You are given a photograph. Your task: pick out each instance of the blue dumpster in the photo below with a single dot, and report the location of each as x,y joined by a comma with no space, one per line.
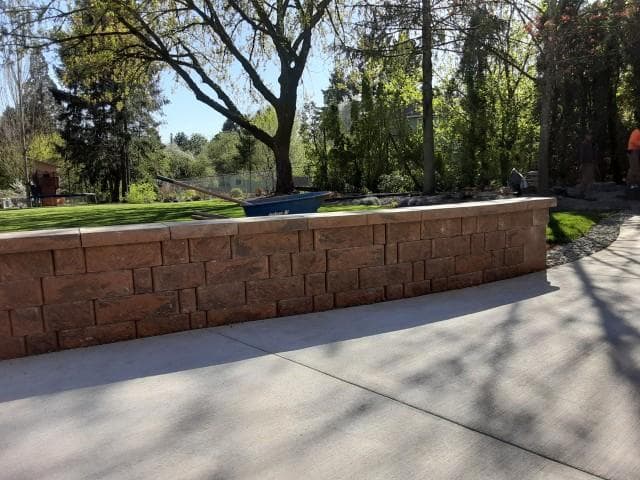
285,204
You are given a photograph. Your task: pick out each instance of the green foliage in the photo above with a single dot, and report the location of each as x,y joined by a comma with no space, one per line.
395,182
183,164
142,193
106,103
236,193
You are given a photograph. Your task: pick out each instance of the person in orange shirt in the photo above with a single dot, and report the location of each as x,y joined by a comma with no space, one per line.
633,149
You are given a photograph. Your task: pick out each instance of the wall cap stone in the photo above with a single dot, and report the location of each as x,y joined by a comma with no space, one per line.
26,241
37,240
124,234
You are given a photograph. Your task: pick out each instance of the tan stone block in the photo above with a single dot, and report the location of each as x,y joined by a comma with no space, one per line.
394,292
315,284
487,223
120,257
136,307
309,262
439,267
242,313
393,215
162,325
87,286
336,220
41,343
391,254
237,269
469,225
494,240
513,256
451,247
355,257
497,258
541,217
12,347
379,234
175,251
535,250
403,232
445,227
418,271
221,295
305,240
198,320
273,289
359,297
343,237
341,280
295,306
386,275
439,284
513,220
13,242
280,224
177,277
473,263
464,280
280,265
69,261
414,289
210,248
64,316
265,244
500,273
20,266
323,302
518,237
477,243
124,234
202,229
96,335
188,302
5,324
21,293
26,321
413,251
142,280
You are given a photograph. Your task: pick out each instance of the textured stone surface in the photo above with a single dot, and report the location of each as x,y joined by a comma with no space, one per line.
87,286
135,281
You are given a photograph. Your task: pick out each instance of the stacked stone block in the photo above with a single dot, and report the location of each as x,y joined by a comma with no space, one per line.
78,287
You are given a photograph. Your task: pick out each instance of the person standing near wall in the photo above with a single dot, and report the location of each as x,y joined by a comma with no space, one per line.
633,150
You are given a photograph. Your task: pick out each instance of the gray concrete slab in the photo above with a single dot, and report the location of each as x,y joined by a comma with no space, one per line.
536,377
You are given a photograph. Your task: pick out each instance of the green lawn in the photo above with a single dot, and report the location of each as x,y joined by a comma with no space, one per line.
123,213
567,226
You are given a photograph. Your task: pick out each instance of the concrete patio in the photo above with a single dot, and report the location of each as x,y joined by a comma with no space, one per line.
536,377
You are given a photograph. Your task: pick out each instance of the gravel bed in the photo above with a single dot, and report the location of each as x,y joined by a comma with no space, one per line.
601,235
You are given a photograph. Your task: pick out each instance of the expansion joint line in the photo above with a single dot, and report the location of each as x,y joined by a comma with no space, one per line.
415,407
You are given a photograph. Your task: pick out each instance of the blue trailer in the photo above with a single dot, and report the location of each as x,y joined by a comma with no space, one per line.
259,207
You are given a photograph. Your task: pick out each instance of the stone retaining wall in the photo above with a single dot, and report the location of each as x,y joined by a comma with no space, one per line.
72,288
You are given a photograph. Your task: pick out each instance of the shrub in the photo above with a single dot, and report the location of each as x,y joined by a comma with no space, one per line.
142,193
395,183
236,193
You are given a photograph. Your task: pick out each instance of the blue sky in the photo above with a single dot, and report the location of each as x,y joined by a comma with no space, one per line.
184,113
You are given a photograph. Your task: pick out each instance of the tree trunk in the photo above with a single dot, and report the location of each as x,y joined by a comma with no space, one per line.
546,107
286,114
284,174
428,148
